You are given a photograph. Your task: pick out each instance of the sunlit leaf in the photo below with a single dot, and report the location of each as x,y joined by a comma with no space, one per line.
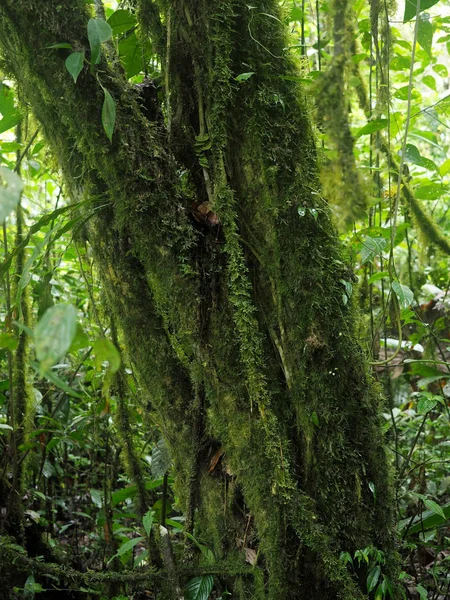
425,33
411,8
372,247
403,293
54,333
10,192
372,127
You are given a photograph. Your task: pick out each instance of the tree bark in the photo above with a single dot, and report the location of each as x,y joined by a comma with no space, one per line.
232,312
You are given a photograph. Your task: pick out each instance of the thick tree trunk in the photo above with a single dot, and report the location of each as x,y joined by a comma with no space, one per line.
232,312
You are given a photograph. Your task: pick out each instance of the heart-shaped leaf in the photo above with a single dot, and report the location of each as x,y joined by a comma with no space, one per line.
99,31
74,64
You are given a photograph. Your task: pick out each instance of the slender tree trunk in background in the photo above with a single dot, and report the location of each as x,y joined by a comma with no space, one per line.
224,273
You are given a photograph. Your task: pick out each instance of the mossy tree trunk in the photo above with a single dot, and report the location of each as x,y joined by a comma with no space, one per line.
232,312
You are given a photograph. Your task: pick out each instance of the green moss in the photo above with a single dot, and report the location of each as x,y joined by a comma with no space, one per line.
239,350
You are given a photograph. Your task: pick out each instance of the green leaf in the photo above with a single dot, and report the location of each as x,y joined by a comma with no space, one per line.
373,577
444,168
54,333
441,70
403,293
378,276
10,192
413,156
425,33
105,351
315,418
422,592
61,45
99,31
160,459
371,248
434,507
429,81
244,76
403,93
74,64
121,21
96,497
425,404
8,341
427,520
127,546
429,192
372,126
11,116
199,588
131,55
147,521
411,8
108,114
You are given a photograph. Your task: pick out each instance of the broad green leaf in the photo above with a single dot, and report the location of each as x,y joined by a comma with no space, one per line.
400,63
296,14
403,93
372,247
244,76
127,546
411,8
8,341
147,521
96,497
422,592
315,418
434,507
121,21
373,577
199,588
74,64
403,293
105,351
54,333
413,156
429,519
131,490
440,70
108,114
372,127
160,459
429,81
378,276
425,404
425,33
433,191
444,168
131,55
10,115
99,31
5,426
10,192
